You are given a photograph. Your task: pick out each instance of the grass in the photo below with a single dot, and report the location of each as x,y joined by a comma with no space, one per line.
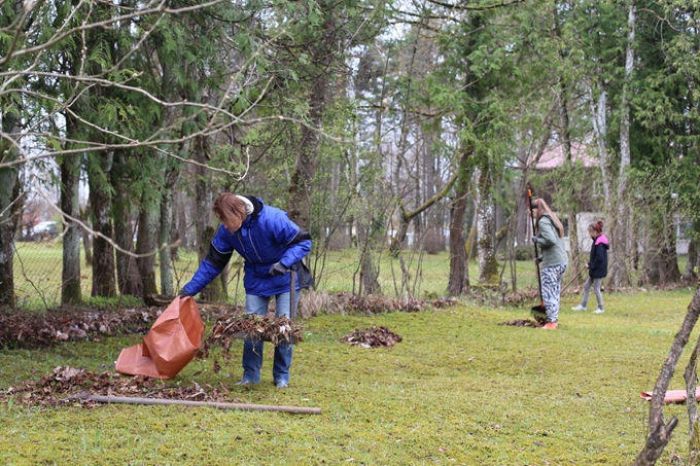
459,389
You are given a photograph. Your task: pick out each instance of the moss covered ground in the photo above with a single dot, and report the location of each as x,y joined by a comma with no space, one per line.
459,389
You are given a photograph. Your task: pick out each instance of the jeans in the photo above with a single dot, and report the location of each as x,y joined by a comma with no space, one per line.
595,282
253,349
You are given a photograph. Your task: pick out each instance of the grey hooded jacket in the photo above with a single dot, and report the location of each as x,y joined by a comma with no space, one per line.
552,250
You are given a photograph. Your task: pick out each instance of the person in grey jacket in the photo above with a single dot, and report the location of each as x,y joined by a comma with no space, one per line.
553,259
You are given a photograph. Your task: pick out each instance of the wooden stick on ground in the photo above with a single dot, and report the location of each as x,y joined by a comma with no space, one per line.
212,404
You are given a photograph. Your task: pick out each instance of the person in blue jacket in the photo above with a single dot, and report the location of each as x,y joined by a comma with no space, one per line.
271,245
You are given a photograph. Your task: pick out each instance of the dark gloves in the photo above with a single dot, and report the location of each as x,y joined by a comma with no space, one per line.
277,269
185,291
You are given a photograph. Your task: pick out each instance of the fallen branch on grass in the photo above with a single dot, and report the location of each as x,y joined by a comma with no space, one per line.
66,385
211,404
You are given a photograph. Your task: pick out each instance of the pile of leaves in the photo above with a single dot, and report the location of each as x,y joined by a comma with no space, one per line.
521,297
372,337
523,323
65,385
21,329
490,296
441,303
28,330
268,328
315,303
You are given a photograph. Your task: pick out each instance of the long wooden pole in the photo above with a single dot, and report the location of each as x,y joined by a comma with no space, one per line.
212,404
292,295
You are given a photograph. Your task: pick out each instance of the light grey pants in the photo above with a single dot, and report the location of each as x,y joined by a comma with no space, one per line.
596,282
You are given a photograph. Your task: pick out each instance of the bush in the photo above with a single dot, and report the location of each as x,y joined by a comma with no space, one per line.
524,253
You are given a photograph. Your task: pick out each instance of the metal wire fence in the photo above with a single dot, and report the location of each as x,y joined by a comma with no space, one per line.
38,268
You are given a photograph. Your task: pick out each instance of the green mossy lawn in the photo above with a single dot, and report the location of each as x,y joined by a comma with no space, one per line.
459,389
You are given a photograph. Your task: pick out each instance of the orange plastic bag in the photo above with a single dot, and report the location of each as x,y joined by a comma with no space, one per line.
672,396
169,346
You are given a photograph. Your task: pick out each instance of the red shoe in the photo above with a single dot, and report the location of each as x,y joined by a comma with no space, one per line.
550,326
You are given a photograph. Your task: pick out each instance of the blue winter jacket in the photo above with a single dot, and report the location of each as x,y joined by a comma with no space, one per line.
266,236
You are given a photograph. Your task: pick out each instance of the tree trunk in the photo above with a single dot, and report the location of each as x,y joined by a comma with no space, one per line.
70,179
322,53
10,19
166,221
299,207
147,241
369,269
371,229
619,271
689,273
458,281
183,227
661,260
128,276
86,236
434,234
9,191
103,279
215,291
486,228
565,133
406,216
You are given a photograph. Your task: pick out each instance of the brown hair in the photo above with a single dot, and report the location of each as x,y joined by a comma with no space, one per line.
231,210
596,227
543,209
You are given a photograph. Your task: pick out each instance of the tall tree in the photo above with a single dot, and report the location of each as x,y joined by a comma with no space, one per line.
322,48
70,205
619,273
15,18
149,222
9,191
458,281
103,262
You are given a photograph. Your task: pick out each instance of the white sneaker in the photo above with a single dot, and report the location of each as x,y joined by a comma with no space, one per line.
578,308
598,311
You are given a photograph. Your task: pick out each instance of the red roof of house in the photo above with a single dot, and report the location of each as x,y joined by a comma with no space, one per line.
553,156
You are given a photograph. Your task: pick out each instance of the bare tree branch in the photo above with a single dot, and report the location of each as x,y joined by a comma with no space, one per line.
147,10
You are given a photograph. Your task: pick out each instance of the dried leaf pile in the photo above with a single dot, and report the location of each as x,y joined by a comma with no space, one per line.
523,323
441,303
520,297
499,297
65,384
21,329
316,303
273,329
373,337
